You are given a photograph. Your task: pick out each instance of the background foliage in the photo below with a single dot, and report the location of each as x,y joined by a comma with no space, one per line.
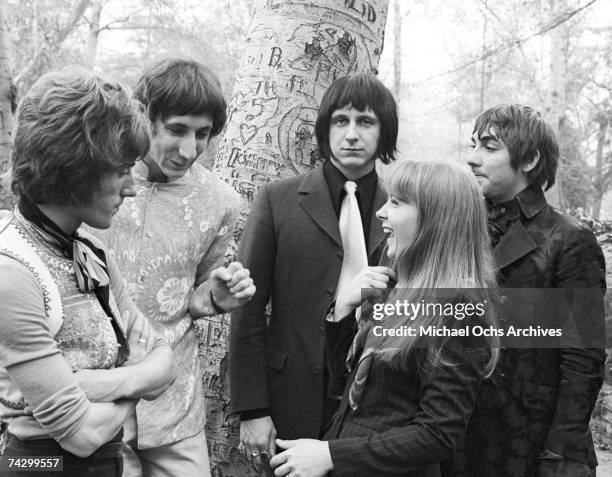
456,59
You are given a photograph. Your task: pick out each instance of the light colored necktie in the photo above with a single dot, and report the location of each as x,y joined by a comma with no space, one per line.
351,231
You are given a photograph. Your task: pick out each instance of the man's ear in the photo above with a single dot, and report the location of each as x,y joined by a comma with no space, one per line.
529,166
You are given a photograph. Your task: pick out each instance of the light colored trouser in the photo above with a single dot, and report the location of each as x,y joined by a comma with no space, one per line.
186,458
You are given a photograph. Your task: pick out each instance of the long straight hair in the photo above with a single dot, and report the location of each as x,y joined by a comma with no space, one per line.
451,248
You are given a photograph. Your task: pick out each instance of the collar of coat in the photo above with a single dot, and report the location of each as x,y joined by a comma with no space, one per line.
531,200
517,241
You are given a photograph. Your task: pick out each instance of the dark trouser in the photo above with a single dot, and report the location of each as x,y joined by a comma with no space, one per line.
107,461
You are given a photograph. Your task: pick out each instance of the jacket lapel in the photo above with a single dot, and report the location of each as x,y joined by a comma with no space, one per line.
376,235
515,244
317,203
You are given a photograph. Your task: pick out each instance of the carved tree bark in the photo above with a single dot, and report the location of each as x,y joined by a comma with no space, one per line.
293,51
7,102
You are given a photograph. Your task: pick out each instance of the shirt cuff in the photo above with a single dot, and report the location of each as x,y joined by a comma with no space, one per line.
254,414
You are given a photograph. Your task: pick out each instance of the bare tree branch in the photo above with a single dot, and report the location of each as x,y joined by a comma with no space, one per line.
52,44
514,43
109,25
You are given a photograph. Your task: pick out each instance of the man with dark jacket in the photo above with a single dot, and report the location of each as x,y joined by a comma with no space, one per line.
295,247
532,418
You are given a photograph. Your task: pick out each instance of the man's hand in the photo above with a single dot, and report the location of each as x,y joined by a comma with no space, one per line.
258,435
302,458
146,379
141,338
99,385
231,288
372,281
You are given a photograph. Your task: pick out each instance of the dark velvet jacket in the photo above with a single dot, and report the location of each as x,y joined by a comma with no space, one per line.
541,399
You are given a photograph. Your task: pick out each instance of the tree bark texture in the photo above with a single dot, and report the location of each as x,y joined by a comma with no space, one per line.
89,57
294,50
556,101
7,94
397,50
7,103
600,183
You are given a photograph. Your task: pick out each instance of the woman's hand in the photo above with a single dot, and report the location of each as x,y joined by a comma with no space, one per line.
368,284
302,458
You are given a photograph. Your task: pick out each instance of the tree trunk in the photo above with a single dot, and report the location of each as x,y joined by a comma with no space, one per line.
51,45
556,101
89,58
7,102
292,53
603,120
397,50
485,60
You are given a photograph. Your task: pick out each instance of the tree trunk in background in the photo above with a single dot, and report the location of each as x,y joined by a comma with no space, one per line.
485,60
292,53
7,101
554,111
89,57
51,44
397,50
600,182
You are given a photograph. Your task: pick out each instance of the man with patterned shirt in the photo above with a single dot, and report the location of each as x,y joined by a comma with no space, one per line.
532,416
170,242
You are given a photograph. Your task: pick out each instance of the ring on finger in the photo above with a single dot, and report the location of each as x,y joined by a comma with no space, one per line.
262,454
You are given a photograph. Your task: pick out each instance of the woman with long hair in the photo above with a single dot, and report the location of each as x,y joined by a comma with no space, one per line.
409,394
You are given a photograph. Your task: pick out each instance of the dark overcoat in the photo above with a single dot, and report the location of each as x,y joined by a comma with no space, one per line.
541,399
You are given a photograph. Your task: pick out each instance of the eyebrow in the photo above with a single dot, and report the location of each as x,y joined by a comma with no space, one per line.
486,138
181,125
359,112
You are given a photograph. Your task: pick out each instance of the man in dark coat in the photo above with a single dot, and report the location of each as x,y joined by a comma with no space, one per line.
532,418
293,246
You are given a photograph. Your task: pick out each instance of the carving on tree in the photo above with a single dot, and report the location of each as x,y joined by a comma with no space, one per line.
293,51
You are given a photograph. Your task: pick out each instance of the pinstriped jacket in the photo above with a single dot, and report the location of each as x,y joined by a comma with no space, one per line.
408,420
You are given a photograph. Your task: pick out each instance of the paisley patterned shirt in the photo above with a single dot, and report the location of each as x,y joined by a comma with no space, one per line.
84,336
166,241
